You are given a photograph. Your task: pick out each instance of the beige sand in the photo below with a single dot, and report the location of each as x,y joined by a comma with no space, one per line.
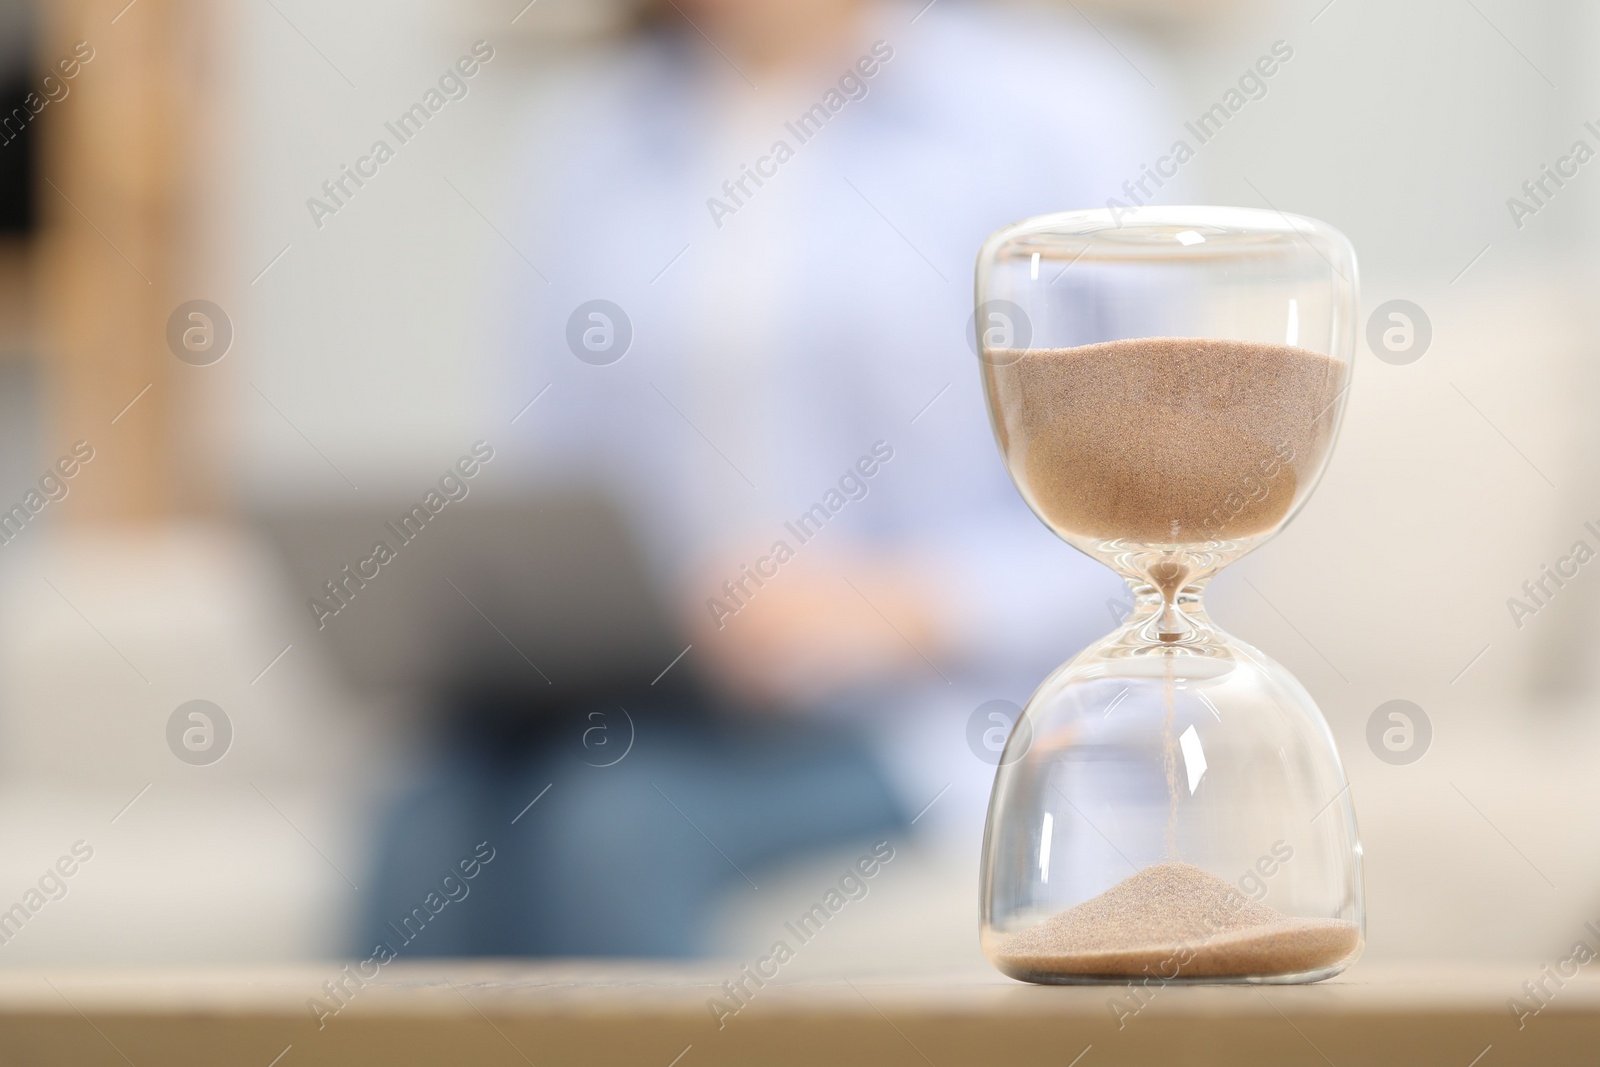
1174,920
1164,440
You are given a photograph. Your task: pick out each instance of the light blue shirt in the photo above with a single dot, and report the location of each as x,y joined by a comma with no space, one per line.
773,346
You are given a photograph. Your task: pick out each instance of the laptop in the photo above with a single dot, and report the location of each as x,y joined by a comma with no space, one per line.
548,594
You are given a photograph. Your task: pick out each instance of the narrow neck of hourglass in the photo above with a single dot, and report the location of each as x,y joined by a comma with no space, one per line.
1172,616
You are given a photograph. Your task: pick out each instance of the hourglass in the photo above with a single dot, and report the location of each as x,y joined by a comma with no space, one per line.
1165,386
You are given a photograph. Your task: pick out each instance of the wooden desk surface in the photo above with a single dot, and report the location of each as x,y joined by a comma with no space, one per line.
588,1013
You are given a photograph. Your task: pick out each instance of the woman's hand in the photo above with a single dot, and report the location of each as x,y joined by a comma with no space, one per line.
819,627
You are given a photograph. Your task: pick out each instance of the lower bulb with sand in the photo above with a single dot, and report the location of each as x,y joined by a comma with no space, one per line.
1170,805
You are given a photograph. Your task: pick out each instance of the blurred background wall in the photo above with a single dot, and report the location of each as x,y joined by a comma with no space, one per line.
365,357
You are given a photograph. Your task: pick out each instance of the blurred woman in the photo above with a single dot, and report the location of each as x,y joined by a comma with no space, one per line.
778,202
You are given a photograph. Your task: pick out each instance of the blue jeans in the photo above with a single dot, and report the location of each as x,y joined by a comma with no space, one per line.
620,860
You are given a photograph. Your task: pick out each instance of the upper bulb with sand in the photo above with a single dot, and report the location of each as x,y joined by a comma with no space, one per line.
1165,387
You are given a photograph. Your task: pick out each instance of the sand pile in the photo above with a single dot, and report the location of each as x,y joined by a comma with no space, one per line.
1177,920
1164,440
